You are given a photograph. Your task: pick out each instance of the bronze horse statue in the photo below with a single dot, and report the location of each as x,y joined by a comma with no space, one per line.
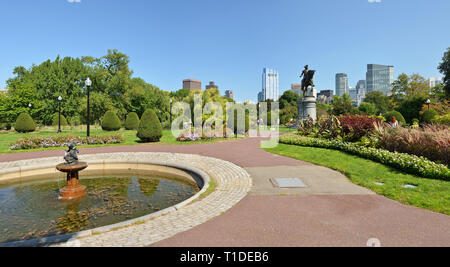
307,81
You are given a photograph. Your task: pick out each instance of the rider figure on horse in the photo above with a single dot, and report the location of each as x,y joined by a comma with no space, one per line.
307,79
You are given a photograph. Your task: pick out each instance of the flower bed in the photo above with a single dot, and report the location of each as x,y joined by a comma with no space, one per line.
430,141
63,141
192,137
405,162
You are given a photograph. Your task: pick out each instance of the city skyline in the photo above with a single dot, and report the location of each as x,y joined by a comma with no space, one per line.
239,48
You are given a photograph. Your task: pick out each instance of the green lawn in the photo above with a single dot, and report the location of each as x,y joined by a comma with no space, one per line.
430,194
8,138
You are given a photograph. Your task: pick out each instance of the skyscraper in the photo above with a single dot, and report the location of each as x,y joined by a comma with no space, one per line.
341,84
229,94
360,91
270,87
379,78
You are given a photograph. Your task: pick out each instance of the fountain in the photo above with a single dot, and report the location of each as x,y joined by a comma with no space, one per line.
73,189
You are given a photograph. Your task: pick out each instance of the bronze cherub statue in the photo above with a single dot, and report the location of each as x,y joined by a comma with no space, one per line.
71,155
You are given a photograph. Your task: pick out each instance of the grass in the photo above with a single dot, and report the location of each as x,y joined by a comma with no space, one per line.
431,194
10,137
211,188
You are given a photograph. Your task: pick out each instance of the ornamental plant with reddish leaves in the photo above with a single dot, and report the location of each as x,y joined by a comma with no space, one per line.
357,126
430,141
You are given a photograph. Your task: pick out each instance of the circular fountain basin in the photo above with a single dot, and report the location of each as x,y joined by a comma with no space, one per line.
117,193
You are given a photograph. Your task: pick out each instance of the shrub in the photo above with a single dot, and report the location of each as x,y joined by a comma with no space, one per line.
25,124
405,162
150,129
75,120
431,141
132,121
429,115
111,122
444,120
397,115
55,121
357,126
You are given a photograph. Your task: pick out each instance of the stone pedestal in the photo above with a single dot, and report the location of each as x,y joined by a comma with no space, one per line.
307,106
73,189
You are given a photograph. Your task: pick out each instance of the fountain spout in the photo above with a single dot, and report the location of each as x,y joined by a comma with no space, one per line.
73,189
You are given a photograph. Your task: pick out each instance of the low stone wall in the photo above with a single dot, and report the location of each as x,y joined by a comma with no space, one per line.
232,184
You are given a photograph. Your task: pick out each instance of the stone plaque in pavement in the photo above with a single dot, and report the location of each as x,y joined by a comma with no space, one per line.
288,183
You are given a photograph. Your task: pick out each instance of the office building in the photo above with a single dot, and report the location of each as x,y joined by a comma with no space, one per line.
325,96
360,91
296,88
260,97
192,84
341,84
379,78
270,85
433,82
353,93
212,85
229,94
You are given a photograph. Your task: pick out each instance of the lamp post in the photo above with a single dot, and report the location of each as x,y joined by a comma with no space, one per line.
170,113
88,85
428,103
59,114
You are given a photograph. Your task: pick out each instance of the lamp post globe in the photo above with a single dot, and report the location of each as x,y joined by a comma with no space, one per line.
428,103
59,113
88,85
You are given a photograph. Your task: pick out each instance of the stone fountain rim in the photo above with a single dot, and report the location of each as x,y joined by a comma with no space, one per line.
61,238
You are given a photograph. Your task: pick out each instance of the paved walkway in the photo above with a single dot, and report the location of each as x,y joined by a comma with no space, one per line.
330,212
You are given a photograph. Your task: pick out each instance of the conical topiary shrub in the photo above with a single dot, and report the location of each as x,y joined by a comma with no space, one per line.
55,121
132,121
150,129
110,121
25,124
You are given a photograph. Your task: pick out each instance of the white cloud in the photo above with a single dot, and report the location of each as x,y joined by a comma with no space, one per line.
79,1
374,1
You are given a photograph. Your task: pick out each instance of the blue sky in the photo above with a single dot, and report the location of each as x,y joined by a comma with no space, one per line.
230,41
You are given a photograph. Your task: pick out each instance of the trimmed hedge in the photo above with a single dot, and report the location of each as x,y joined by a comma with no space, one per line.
132,121
55,121
150,128
405,162
25,124
395,114
111,122
429,115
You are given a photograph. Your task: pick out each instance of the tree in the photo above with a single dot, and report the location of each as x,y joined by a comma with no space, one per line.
342,105
288,99
287,114
411,107
368,108
381,101
444,68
